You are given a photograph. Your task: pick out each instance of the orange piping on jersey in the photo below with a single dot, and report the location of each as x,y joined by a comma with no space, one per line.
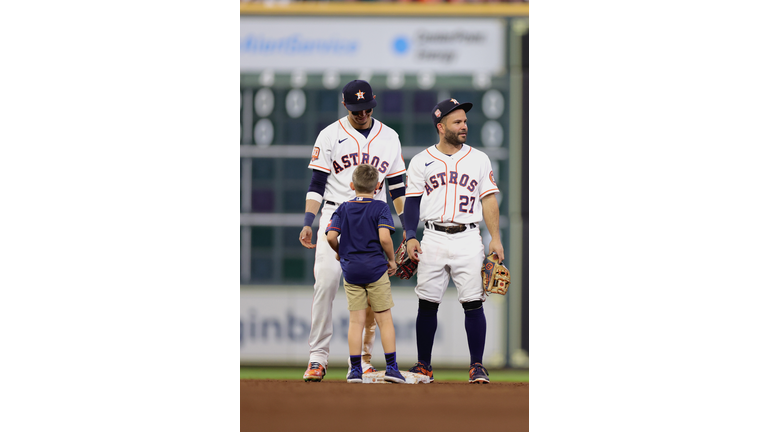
489,191
350,135
398,173
320,168
415,193
456,186
445,201
394,174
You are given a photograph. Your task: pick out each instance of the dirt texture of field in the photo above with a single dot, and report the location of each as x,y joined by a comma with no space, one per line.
282,405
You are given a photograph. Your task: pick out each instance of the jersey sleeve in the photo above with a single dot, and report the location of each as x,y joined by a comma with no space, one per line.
337,218
385,219
487,180
415,177
321,152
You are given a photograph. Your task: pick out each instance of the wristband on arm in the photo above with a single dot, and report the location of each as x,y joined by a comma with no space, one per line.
309,217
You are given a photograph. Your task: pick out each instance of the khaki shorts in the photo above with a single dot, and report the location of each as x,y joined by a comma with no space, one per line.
379,293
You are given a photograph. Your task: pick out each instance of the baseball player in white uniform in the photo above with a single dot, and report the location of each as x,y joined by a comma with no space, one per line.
352,140
451,188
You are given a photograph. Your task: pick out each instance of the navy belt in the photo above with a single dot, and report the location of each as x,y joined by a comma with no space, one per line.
449,229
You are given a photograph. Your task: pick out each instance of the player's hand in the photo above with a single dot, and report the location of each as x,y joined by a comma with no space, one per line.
305,237
414,249
338,258
496,247
392,267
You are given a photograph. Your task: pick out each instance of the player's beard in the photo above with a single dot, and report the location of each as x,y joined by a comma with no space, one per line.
454,138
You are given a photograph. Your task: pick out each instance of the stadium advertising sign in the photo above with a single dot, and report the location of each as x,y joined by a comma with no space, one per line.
349,45
274,328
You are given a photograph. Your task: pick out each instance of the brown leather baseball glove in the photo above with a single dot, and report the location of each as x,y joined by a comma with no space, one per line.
495,275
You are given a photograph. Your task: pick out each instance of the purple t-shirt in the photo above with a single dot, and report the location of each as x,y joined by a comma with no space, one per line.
363,261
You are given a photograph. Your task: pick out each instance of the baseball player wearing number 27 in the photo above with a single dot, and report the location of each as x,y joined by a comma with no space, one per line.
343,145
451,188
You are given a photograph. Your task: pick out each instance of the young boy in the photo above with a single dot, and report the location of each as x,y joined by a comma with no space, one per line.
367,259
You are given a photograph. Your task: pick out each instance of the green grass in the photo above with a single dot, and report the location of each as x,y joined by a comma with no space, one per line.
339,373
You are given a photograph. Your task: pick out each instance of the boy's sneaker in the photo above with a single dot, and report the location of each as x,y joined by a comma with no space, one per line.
315,372
367,367
355,375
394,375
422,368
478,374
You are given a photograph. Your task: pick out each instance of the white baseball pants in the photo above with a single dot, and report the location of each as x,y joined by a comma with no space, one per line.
458,256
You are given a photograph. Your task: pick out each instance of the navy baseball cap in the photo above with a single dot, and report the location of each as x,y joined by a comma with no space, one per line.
443,108
358,96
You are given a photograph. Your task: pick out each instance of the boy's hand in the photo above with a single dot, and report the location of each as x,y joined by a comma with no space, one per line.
392,267
338,258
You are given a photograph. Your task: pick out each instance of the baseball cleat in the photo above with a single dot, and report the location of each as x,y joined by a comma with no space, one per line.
368,368
355,375
394,375
315,372
365,360
423,369
478,374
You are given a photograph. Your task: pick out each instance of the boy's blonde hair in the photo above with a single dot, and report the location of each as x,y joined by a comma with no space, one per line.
365,178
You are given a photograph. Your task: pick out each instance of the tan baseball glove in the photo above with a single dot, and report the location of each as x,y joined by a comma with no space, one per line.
405,266
495,275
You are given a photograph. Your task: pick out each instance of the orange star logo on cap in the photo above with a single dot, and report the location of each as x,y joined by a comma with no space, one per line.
455,101
360,94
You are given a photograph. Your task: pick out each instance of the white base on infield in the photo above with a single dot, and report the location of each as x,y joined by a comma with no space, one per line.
410,378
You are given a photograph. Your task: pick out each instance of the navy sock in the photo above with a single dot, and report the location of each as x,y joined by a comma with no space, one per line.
474,323
426,327
391,359
355,360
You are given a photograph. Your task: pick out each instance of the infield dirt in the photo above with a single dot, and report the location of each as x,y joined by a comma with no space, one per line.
282,405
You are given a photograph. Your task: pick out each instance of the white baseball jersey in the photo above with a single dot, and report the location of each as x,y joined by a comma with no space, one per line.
451,187
340,148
